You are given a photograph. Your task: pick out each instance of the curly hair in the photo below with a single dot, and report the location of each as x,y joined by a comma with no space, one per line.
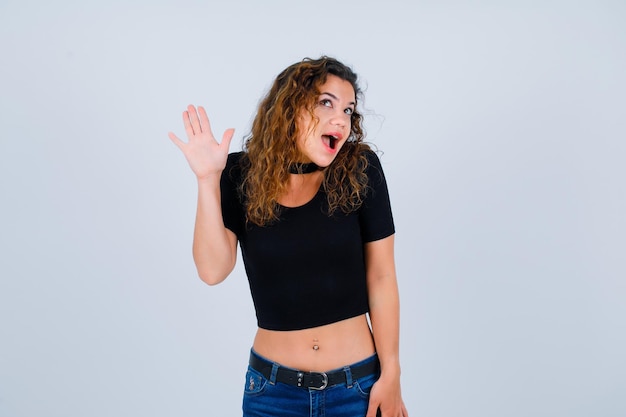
271,145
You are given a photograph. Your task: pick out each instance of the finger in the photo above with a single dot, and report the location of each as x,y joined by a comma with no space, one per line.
205,125
187,123
193,118
176,140
227,137
372,410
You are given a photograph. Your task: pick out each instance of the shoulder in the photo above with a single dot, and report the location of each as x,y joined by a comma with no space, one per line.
375,215
233,171
235,162
235,158
372,157
374,168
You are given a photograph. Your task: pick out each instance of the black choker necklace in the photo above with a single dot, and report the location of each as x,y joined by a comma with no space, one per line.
302,168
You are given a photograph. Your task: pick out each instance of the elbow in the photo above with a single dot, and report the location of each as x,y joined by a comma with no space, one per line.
212,277
214,269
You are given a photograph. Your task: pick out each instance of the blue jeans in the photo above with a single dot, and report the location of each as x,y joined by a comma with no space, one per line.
267,398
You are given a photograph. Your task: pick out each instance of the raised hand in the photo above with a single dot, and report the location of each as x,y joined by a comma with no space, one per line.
205,155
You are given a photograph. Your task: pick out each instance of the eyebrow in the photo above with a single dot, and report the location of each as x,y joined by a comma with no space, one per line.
336,98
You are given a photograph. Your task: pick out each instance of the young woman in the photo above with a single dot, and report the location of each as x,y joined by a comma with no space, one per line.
307,201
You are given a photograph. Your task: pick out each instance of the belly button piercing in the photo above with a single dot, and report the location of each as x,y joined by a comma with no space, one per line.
316,347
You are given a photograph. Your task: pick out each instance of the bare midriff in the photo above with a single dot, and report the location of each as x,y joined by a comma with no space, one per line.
318,349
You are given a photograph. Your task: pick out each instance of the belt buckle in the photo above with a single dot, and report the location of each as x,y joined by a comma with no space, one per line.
324,381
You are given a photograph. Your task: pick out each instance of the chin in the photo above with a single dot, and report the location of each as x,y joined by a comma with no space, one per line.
325,161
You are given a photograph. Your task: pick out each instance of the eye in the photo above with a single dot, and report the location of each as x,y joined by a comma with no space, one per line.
349,111
326,102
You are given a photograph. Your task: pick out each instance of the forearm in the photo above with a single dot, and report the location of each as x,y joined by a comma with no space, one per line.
214,246
385,319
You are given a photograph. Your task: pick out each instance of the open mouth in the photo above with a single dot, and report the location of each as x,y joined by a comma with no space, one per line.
332,140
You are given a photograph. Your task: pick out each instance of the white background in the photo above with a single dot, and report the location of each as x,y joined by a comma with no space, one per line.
502,126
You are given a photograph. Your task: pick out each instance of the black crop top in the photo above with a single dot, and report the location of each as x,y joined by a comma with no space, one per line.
307,269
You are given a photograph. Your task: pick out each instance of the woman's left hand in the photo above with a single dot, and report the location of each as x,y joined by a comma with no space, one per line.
385,395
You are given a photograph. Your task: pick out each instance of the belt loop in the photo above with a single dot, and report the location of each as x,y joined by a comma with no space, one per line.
275,367
348,376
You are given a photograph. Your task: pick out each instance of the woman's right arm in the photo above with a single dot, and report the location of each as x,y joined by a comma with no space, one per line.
214,246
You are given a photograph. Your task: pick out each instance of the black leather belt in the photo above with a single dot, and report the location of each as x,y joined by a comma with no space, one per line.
313,380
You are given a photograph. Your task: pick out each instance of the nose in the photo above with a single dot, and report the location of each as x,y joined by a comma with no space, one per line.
340,119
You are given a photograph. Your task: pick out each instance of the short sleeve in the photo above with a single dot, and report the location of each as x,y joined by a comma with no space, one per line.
233,212
375,217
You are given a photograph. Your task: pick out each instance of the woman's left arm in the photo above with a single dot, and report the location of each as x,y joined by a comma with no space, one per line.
384,313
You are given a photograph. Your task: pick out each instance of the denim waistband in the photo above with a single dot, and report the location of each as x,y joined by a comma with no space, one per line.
275,372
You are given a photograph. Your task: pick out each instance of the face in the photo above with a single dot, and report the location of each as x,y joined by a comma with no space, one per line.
320,143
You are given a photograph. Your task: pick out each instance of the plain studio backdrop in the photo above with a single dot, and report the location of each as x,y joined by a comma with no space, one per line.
502,130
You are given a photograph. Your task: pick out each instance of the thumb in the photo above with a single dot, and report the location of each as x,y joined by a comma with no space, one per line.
227,137
176,140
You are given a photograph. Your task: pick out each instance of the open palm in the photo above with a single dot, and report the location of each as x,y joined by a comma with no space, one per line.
205,154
